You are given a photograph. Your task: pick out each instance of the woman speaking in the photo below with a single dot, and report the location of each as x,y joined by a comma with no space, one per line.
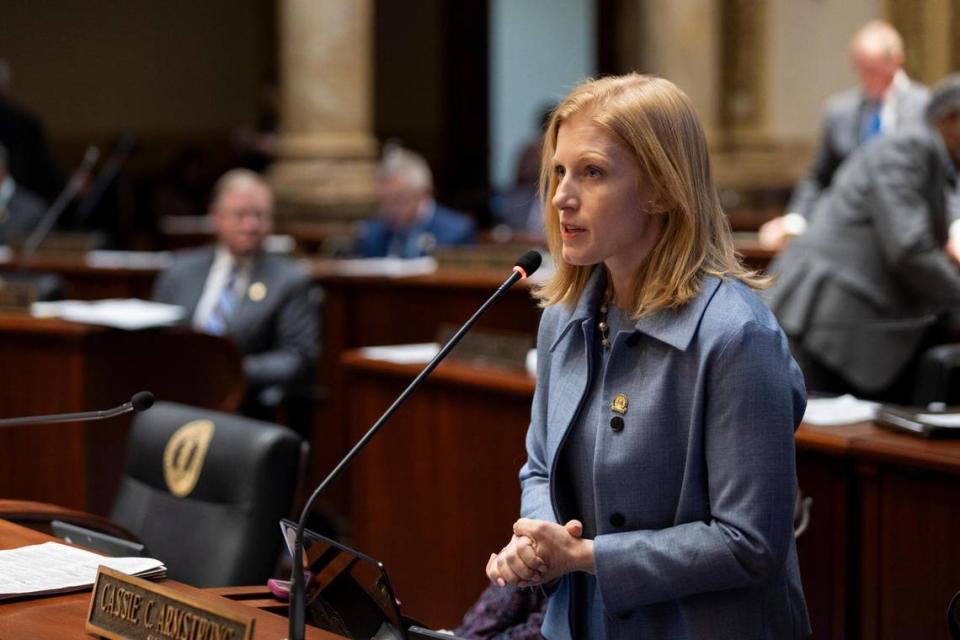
658,491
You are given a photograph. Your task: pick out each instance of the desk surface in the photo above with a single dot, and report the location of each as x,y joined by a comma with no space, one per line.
62,617
864,440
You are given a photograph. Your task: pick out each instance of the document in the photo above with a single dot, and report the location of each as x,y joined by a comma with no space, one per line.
844,409
52,567
389,267
127,314
403,353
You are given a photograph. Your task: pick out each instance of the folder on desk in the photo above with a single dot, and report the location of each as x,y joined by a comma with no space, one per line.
921,422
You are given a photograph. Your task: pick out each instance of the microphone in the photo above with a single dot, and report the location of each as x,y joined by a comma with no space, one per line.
524,267
141,401
74,184
125,145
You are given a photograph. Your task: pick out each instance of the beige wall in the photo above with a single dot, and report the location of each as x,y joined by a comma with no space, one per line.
96,67
807,45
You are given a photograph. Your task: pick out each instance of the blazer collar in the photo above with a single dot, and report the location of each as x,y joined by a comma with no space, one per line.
674,327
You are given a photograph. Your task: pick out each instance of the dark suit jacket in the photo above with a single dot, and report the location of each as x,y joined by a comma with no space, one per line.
29,156
278,335
444,227
841,134
859,289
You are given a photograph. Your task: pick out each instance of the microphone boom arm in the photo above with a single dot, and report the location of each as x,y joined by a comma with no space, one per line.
297,611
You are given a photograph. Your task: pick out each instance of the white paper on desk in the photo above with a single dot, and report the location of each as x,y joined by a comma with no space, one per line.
123,314
949,420
129,259
843,409
403,353
389,267
52,567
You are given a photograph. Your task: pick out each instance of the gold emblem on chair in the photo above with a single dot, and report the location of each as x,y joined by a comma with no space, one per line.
619,404
184,455
257,291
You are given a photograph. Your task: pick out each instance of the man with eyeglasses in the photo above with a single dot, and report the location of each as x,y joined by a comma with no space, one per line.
263,301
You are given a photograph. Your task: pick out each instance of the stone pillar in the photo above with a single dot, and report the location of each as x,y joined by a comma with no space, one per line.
327,155
929,36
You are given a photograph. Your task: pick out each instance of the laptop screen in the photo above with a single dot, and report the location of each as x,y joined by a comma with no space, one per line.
350,593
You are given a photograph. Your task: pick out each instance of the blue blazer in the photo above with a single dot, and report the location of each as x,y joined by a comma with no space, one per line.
444,227
694,496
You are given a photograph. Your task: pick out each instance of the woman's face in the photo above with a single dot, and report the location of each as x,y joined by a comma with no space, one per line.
605,205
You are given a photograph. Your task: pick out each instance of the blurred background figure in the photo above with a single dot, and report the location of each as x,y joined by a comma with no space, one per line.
860,291
263,301
256,144
23,135
519,207
409,222
885,100
20,209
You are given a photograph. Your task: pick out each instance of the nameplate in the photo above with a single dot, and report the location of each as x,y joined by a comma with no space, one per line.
123,607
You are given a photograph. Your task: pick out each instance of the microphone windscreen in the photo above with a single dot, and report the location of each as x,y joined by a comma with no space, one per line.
142,400
529,263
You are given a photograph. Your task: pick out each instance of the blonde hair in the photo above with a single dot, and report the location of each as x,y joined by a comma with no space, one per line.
657,123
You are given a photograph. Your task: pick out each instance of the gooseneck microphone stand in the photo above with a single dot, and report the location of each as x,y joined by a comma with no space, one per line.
525,266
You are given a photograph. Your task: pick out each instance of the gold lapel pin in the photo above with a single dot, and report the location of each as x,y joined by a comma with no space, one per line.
620,404
257,291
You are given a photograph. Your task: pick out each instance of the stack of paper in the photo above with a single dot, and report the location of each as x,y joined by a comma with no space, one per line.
52,567
389,267
123,314
844,409
403,353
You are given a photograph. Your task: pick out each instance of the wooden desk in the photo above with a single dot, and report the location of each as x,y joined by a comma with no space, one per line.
62,617
86,282
378,310
54,366
437,492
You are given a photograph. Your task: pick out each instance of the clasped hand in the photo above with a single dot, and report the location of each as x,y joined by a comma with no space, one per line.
540,552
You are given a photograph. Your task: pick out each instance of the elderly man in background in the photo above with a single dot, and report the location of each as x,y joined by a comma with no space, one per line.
885,101
861,292
263,301
410,223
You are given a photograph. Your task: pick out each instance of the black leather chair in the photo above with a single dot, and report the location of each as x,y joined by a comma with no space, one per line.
205,491
938,376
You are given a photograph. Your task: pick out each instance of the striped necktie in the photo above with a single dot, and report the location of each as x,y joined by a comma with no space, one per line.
216,322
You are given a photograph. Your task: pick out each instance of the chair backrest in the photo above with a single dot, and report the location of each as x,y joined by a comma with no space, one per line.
938,376
205,491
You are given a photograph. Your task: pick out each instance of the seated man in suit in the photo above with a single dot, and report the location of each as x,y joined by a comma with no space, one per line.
885,101
410,223
20,209
264,302
860,291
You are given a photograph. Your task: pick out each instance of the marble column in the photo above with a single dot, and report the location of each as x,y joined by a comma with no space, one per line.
327,155
929,36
